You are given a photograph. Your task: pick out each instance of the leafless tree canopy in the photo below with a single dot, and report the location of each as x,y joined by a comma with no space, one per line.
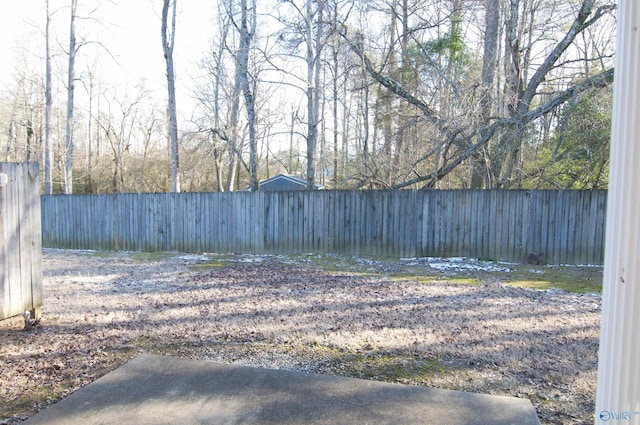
347,94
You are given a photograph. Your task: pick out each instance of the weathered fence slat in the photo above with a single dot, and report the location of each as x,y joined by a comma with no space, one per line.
552,226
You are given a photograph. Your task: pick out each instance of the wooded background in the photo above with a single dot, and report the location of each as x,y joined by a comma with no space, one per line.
539,226
349,94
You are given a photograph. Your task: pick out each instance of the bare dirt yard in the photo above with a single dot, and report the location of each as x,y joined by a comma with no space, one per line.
458,324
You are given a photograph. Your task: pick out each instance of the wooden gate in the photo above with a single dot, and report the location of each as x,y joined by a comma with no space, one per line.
20,241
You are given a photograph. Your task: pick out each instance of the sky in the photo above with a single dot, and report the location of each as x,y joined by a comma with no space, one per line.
128,30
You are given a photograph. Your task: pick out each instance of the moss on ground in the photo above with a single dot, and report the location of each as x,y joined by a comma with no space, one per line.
462,280
577,279
211,264
392,367
42,396
144,256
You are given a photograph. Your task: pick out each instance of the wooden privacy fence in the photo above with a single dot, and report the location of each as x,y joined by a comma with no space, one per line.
20,240
556,227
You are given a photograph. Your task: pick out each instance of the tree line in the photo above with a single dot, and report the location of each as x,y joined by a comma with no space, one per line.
347,94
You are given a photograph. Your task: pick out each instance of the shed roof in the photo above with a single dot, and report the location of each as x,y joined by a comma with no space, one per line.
284,182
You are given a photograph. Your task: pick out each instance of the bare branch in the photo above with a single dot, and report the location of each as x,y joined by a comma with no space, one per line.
579,24
485,133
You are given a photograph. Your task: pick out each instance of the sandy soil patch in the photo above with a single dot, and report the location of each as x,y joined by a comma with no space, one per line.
104,309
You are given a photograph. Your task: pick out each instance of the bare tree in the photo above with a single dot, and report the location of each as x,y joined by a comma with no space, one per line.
218,74
214,95
232,103
246,36
22,121
220,95
119,123
461,138
48,151
307,31
489,59
444,93
148,125
71,79
91,73
314,42
235,141
168,42
338,66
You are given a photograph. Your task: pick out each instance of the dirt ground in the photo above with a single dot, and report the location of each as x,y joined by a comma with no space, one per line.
414,321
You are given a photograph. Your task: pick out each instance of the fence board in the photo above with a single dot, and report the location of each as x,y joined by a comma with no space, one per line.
504,227
436,211
23,297
588,230
512,213
385,203
559,226
472,218
593,230
553,229
492,234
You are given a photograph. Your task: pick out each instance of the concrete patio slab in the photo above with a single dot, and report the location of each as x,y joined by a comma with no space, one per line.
165,390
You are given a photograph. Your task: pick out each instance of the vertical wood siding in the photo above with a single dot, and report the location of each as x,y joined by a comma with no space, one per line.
20,240
555,227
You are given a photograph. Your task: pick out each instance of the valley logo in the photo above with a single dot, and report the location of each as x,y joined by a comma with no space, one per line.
607,416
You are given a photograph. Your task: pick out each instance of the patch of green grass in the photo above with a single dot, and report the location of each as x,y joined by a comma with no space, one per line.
211,264
29,403
465,281
577,279
455,279
341,263
393,367
143,256
566,278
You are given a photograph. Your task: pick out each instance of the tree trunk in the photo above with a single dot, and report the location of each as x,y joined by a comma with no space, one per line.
246,36
168,41
48,152
89,136
217,156
291,169
68,135
489,61
233,138
405,108
218,153
334,106
311,92
314,47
